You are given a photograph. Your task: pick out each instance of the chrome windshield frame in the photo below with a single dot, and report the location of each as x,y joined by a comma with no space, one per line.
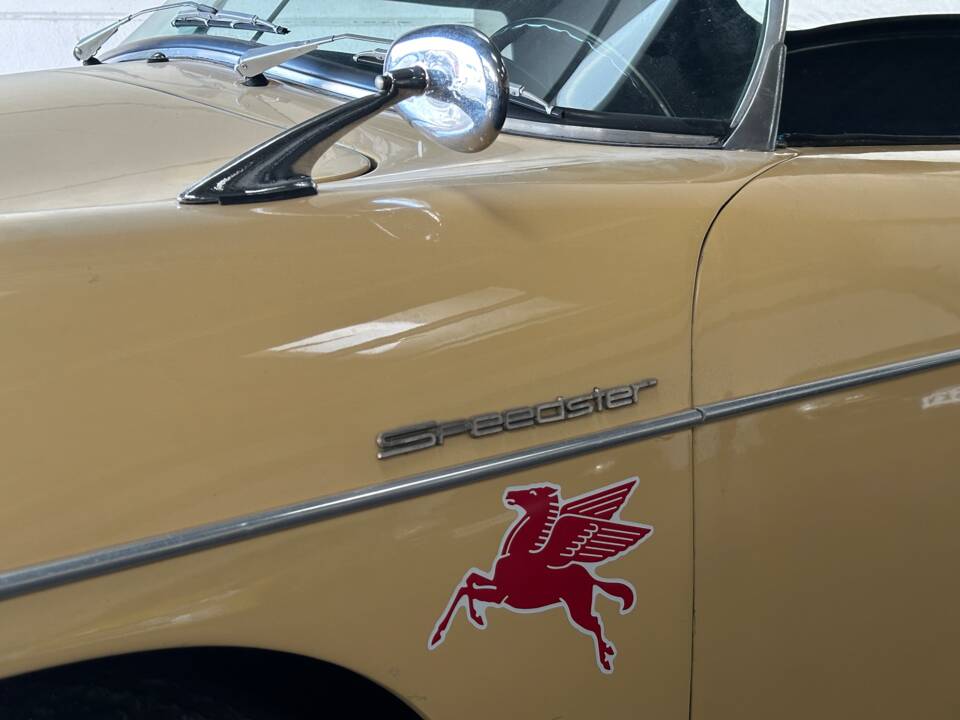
754,124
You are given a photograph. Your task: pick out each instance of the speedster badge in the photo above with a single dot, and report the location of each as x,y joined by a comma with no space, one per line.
548,558
421,436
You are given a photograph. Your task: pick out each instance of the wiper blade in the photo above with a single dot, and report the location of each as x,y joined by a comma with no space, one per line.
227,19
87,47
254,63
205,16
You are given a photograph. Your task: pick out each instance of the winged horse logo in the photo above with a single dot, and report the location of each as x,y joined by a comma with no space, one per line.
548,558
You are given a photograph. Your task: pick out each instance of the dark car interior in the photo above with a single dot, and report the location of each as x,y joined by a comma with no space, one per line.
877,82
691,75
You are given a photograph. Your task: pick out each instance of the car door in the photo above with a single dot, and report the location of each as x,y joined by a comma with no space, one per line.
826,336
826,525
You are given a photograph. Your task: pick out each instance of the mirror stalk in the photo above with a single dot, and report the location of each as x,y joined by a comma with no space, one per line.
448,81
281,167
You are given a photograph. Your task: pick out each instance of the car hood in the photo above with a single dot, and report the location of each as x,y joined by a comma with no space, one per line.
94,137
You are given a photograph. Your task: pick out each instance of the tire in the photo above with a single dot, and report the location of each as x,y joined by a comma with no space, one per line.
201,683
148,700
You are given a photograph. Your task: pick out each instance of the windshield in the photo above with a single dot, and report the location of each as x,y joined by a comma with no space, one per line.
615,63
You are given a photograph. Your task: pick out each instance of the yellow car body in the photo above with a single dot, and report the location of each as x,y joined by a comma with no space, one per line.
191,398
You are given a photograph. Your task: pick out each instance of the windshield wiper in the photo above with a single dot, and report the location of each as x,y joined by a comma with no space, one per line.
227,19
205,16
87,47
254,63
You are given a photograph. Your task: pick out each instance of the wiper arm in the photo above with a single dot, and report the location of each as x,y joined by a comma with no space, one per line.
519,91
87,47
205,16
254,63
227,19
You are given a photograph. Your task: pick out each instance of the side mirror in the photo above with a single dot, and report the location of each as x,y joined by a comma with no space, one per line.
448,81
465,103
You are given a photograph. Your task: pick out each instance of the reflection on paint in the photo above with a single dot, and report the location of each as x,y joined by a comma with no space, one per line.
913,156
946,396
814,405
475,327
348,337
394,218
482,526
401,202
456,320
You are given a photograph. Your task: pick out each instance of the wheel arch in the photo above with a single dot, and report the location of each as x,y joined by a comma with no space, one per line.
291,686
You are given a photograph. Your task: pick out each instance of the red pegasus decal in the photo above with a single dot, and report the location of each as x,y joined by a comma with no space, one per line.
548,559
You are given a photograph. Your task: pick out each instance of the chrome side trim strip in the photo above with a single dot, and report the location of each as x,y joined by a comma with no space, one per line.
41,576
761,401
34,578
607,136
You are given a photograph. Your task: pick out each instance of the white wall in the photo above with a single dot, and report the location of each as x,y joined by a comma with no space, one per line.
813,13
43,36
37,34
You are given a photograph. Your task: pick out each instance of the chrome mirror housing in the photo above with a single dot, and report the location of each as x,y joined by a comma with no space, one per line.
448,81
464,104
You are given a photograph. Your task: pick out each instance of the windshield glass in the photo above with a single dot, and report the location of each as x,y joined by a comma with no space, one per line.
605,62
